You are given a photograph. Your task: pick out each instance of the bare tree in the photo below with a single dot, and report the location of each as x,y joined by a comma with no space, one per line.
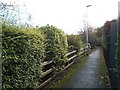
12,13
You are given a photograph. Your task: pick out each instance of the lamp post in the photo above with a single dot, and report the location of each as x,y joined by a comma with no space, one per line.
87,26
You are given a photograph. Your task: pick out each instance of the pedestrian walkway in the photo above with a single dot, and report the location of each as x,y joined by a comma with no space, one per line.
88,76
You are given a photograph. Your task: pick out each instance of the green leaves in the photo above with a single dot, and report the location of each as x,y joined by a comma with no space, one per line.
74,42
23,51
56,43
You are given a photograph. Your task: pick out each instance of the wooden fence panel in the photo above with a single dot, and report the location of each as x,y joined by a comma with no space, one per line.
69,62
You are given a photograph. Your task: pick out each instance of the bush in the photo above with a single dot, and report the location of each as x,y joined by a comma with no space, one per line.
22,53
74,42
56,44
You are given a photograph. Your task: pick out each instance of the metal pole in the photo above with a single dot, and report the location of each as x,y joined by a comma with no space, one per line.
87,25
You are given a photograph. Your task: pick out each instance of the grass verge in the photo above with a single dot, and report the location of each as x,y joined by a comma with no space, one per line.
104,76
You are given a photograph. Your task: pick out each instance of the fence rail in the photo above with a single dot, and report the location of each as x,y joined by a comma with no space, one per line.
46,63
71,55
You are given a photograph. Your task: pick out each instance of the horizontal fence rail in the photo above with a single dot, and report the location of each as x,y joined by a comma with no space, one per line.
71,53
48,74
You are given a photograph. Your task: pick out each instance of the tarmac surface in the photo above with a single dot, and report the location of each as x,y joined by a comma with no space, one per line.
88,75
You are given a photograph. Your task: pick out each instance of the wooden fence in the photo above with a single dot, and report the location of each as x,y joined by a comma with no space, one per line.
49,69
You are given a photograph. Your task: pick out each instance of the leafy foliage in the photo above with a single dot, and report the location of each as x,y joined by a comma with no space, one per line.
74,42
56,44
94,36
22,53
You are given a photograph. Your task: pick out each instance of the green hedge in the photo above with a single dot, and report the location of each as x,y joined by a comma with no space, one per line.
74,42
56,44
25,49
22,53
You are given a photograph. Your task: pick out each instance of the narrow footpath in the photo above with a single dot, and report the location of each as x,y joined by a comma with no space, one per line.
88,76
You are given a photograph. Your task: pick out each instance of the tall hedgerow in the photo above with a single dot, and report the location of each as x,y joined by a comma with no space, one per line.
56,44
74,42
22,53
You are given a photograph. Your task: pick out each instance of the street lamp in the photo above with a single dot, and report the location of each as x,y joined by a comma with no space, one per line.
88,5
87,26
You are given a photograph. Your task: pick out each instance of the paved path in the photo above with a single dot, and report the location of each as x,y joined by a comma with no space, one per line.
88,75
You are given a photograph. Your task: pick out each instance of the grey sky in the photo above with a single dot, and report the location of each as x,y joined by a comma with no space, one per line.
69,15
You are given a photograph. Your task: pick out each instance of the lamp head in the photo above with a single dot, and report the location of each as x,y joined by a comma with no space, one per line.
88,5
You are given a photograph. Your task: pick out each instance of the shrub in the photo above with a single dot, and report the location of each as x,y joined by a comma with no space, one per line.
74,42
22,53
56,44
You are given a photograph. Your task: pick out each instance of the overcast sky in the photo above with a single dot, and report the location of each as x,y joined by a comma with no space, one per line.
69,15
